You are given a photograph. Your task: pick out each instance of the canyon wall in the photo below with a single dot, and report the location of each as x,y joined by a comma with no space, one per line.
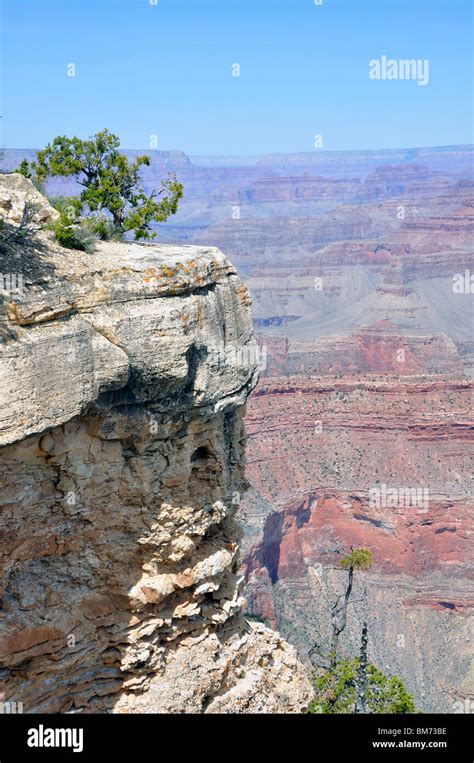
380,463
124,377
360,269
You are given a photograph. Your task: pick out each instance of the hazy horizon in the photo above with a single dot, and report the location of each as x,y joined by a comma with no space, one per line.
322,152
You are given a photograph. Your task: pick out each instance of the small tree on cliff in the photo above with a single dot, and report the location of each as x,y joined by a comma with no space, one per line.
24,169
355,685
110,181
358,559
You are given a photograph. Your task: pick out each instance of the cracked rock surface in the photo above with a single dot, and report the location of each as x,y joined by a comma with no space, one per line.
122,467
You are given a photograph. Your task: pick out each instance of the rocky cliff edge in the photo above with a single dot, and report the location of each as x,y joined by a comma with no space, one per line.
123,377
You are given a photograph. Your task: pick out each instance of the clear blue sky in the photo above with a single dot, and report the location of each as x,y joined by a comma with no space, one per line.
165,69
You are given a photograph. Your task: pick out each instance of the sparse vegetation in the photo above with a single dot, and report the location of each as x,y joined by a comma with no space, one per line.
29,224
336,691
25,169
111,185
69,230
354,685
105,230
358,559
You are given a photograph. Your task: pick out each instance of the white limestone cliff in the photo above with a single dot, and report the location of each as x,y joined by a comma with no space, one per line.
122,464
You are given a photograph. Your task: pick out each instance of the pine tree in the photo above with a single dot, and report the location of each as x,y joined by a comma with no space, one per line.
24,169
336,691
111,183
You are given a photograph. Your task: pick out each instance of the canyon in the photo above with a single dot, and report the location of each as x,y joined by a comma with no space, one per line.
358,266
318,449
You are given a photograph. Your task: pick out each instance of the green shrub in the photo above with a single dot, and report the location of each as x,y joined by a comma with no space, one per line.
69,230
358,559
75,236
105,229
24,169
335,691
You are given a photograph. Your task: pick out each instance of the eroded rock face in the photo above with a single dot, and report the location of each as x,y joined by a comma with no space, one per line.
15,190
122,466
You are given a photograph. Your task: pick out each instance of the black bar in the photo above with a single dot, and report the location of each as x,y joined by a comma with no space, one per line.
156,738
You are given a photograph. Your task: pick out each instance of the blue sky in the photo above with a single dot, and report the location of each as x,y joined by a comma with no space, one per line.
166,70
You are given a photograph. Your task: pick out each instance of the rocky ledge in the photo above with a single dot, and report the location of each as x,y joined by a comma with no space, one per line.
124,376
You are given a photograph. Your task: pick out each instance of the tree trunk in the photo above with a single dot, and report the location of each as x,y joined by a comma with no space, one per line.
339,618
361,681
118,219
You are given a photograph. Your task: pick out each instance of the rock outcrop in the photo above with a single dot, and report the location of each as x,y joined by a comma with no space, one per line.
15,190
124,377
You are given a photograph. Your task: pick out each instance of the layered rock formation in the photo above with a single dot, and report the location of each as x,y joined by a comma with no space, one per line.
364,311
351,259
320,452
124,377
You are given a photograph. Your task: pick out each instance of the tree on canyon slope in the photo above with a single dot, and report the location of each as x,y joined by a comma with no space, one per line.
355,685
358,559
111,183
